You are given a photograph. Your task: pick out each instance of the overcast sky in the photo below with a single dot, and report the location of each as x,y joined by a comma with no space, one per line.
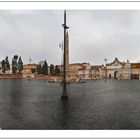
93,35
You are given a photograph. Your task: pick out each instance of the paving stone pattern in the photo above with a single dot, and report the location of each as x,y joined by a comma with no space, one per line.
99,105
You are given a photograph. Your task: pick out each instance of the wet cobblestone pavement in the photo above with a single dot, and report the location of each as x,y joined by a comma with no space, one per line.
37,104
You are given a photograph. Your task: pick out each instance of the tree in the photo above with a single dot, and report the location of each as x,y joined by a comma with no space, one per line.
57,70
45,68
14,64
20,64
3,66
0,65
39,69
7,64
52,72
33,70
41,62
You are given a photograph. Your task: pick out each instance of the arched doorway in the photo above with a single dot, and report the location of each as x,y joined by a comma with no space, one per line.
115,74
109,76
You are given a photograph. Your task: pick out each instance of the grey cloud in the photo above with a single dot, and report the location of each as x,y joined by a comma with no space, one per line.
93,34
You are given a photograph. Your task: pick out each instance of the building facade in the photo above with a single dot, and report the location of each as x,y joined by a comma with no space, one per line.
114,69
123,70
85,71
72,73
126,71
29,70
135,71
97,72
77,71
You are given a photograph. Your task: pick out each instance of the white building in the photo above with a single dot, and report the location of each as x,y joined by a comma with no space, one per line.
85,72
126,71
114,69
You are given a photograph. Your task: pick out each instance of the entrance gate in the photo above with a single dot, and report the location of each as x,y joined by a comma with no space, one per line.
115,74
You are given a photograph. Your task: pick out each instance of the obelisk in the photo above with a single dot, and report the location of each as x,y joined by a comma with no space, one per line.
67,57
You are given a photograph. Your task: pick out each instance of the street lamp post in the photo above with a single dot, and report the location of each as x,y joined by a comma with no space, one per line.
105,69
64,93
29,74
